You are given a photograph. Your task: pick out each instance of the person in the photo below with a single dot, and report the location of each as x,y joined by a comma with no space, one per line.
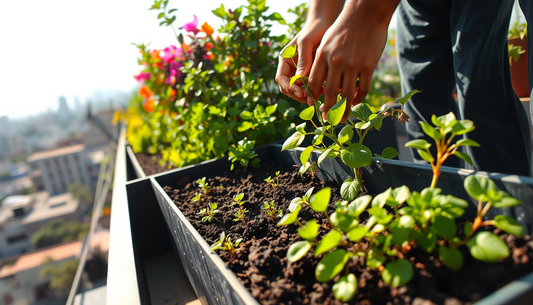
443,46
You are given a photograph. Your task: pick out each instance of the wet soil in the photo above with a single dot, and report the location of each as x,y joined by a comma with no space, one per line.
150,164
261,265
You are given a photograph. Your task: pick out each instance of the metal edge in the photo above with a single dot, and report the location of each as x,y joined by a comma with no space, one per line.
224,269
135,163
122,281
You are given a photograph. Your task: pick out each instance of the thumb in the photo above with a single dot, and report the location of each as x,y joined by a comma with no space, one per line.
305,61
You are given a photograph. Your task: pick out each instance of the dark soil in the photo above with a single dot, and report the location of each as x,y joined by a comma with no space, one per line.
150,164
261,265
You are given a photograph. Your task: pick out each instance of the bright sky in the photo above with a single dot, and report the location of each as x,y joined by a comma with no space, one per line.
74,47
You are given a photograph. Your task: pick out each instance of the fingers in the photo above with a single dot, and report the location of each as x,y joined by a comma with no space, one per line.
349,88
363,88
333,83
284,73
316,77
305,56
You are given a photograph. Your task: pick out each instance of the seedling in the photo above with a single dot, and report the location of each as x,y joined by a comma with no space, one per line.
271,210
210,211
239,215
273,182
197,198
243,154
354,155
225,244
202,183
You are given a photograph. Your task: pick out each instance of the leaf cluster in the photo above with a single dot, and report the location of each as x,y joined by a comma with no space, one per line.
225,244
273,182
209,212
238,200
243,154
271,210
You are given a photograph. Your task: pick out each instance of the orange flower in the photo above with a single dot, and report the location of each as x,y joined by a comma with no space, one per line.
207,29
184,47
149,105
145,92
155,55
208,46
173,92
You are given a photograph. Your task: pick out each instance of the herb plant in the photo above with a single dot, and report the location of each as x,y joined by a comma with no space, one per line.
239,215
225,244
210,211
271,210
202,183
243,154
273,182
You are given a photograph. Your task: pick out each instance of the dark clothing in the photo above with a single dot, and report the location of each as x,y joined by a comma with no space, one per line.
456,45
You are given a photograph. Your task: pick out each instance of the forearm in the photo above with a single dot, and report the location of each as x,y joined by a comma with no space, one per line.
369,12
324,10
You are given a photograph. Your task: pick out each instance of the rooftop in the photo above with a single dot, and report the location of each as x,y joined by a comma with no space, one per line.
55,152
53,207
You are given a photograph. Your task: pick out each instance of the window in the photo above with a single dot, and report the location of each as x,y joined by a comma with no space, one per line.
19,212
16,238
41,291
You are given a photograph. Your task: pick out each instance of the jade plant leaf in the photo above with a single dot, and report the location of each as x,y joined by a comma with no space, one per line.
309,231
418,144
444,226
397,273
356,155
345,288
336,112
293,141
402,100
319,202
451,257
288,51
487,247
298,250
328,242
350,188
479,187
307,113
331,265
509,225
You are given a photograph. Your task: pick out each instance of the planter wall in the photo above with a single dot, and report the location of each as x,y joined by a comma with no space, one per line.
214,283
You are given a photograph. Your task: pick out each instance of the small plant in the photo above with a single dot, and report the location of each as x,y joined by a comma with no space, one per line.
202,183
197,198
514,53
225,244
271,210
210,211
243,154
273,182
239,215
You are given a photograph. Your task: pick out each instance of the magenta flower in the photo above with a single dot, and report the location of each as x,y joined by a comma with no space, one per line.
170,53
175,72
191,26
143,76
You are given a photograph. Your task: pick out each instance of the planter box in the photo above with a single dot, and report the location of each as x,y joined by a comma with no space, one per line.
214,283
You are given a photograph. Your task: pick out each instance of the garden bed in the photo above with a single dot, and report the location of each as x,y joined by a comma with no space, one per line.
261,265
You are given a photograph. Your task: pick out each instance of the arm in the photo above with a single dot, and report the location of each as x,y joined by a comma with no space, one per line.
320,16
350,49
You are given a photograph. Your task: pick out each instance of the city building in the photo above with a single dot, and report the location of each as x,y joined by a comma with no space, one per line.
5,146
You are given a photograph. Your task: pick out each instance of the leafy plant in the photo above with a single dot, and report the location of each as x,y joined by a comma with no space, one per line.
273,182
202,183
197,198
225,244
239,215
518,30
210,211
243,154
271,210
514,53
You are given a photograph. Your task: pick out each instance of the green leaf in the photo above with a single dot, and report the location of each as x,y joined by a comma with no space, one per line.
430,131
271,109
381,199
467,142
418,144
407,221
400,194
479,187
451,257
487,247
356,207
361,111
462,127
277,17
294,78
345,288
308,113
328,242
350,188
319,202
343,221
346,134
444,121
389,153
375,262
290,218
465,157
402,100
323,156
220,12
298,250
357,234
506,201
509,225
426,156
288,51
356,155
468,228
293,141
397,273
304,157
444,226
426,241
454,201
309,231
380,214
336,112
331,265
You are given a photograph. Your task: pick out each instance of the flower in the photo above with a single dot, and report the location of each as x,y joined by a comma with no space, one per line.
208,46
170,53
207,29
143,76
191,26
209,56
145,92
149,105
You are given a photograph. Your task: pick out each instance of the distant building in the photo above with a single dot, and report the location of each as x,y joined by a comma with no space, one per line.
5,146
63,166
95,138
4,125
20,283
21,216
63,112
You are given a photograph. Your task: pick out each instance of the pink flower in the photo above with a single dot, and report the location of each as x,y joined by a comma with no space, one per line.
143,76
175,72
170,53
191,26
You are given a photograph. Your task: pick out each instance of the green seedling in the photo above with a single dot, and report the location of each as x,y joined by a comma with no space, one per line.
354,155
243,154
239,215
225,244
271,210
273,182
210,211
202,183
197,198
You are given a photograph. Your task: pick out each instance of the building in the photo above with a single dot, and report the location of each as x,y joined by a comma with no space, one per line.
5,146
63,112
21,216
21,284
63,166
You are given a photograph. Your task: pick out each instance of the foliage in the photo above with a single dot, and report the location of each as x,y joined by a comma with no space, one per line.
243,154
518,30
81,192
271,210
62,276
225,244
273,182
57,231
237,200
514,53
426,220
210,211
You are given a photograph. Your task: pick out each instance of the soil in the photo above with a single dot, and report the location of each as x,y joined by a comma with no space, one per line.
261,265
150,164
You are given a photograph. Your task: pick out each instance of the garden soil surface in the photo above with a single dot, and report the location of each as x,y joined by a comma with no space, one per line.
150,164
261,265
